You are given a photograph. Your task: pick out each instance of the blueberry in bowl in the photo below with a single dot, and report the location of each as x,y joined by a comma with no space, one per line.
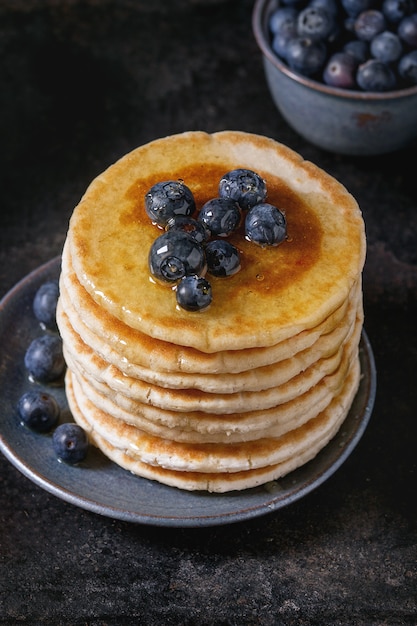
342,73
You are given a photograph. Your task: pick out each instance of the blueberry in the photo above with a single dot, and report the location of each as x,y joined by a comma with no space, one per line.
354,7
44,358
306,56
167,199
331,6
44,303
223,258
407,30
70,443
283,20
193,227
280,44
369,23
395,10
265,224
407,67
244,186
292,3
349,25
386,47
340,71
194,293
220,215
374,75
38,410
175,254
358,49
315,23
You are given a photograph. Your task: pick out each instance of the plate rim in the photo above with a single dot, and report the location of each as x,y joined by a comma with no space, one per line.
270,504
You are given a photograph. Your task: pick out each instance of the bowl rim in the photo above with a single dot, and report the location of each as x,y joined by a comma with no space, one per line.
260,9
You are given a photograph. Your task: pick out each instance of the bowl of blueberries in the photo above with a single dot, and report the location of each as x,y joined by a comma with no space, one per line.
342,73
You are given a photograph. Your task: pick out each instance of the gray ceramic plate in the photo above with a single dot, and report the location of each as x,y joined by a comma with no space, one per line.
100,486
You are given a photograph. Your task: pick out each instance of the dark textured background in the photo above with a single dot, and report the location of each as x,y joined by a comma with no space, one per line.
83,82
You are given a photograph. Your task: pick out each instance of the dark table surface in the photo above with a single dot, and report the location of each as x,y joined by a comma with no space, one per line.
83,82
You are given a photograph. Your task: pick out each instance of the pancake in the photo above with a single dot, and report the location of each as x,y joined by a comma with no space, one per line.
279,292
255,379
216,482
218,457
90,320
94,368
200,427
246,390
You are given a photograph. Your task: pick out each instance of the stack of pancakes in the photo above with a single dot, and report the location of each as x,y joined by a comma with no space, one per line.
252,387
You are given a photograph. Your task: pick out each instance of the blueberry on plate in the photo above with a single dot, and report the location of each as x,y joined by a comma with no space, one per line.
175,254
265,225
221,216
223,258
70,443
169,198
244,186
44,303
193,227
44,359
38,410
194,293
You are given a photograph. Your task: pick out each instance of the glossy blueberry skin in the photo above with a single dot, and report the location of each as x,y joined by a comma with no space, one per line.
265,225
169,198
175,254
340,71
193,227
44,303
44,359
221,216
306,56
315,23
374,75
407,67
244,186
223,258
194,293
38,410
70,443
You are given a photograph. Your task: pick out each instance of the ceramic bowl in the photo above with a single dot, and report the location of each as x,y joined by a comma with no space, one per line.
338,120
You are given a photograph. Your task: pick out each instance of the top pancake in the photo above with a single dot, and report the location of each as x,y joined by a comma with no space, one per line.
279,292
